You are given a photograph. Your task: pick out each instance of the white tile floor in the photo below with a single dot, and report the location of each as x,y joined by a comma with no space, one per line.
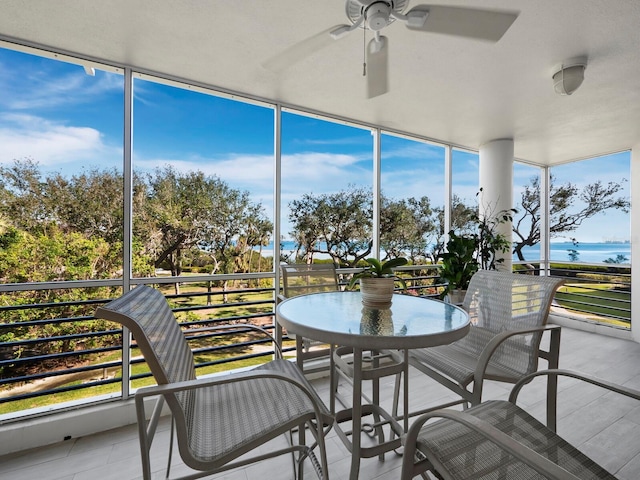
603,426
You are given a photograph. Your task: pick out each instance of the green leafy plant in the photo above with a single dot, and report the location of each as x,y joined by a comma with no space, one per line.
378,269
459,262
469,252
488,241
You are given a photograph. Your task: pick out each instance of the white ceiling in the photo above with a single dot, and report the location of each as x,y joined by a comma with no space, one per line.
446,88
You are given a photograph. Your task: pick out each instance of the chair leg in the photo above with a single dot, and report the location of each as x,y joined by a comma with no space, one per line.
293,454
301,455
320,467
552,380
170,447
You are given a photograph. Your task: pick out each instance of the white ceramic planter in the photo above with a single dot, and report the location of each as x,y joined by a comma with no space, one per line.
456,296
377,292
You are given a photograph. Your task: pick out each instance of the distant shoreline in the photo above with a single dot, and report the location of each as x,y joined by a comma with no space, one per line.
588,252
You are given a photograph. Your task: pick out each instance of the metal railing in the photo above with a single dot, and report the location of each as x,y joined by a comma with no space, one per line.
596,292
54,353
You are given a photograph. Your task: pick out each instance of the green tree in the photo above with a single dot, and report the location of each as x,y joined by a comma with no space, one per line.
620,258
569,206
175,213
57,256
187,211
408,227
463,221
23,197
235,227
89,204
337,224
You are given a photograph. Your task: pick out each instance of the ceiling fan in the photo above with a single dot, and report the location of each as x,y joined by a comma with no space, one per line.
375,15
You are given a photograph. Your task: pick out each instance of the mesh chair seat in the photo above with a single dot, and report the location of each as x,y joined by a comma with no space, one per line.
461,453
459,360
227,417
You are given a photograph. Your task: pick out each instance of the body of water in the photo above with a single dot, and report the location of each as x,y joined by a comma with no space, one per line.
560,251
586,252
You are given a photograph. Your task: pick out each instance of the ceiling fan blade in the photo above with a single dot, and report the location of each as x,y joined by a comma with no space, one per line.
377,67
300,50
488,25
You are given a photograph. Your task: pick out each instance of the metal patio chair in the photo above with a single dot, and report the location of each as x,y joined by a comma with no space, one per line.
218,419
301,279
499,440
508,314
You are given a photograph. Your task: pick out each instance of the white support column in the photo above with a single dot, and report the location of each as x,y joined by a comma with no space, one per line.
635,244
496,181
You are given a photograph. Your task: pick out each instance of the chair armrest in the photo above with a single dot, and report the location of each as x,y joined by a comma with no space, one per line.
613,387
533,459
155,390
246,326
492,346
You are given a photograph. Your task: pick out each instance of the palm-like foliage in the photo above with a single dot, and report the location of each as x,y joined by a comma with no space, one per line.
378,269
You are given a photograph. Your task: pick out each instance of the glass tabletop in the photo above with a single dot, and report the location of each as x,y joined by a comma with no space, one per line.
340,318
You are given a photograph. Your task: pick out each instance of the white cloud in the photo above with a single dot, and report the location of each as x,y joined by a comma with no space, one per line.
301,172
50,143
45,89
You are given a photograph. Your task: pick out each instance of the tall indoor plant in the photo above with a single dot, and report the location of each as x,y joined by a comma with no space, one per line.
459,263
467,253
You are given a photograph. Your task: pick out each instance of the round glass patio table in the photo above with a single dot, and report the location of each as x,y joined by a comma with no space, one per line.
339,318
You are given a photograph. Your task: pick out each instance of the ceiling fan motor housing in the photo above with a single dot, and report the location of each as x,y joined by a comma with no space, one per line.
377,15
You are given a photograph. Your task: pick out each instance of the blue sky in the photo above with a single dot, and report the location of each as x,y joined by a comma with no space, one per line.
66,120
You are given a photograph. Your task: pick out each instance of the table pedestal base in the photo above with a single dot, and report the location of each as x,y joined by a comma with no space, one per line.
381,418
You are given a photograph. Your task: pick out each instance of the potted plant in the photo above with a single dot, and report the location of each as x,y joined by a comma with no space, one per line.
459,263
467,253
377,281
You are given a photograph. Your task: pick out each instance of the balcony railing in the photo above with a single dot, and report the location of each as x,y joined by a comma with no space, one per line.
54,353
597,292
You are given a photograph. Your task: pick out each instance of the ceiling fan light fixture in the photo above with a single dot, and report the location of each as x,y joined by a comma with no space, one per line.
569,78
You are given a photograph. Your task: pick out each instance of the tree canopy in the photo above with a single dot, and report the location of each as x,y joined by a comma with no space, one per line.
176,216
181,217
569,206
340,225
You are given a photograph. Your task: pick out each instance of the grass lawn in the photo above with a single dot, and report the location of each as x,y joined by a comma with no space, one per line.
114,388
597,301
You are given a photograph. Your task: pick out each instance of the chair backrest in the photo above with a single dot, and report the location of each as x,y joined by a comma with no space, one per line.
504,301
301,278
146,313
